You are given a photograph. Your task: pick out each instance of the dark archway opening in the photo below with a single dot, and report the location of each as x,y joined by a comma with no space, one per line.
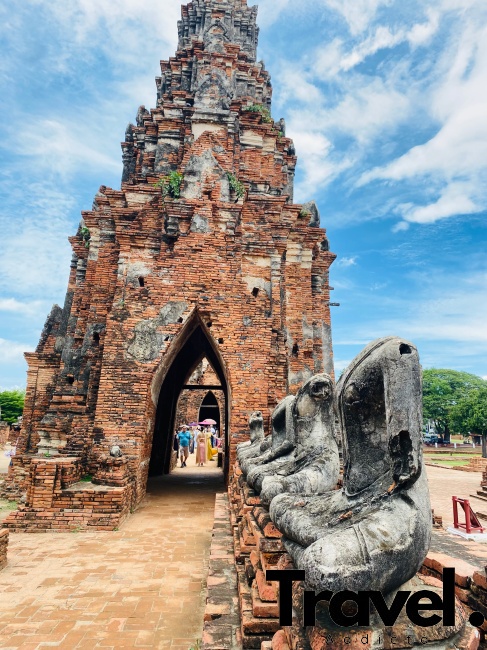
209,409
197,346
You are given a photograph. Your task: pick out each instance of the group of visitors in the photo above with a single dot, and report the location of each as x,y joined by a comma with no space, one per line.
204,441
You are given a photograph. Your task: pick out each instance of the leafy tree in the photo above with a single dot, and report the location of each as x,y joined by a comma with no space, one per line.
470,415
442,390
11,404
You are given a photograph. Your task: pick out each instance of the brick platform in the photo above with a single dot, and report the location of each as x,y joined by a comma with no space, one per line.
58,500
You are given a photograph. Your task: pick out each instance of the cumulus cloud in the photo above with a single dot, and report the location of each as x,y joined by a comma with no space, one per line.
402,226
124,31
455,157
338,56
454,200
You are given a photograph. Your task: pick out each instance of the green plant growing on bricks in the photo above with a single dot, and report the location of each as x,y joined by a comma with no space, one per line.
85,235
236,186
260,108
170,185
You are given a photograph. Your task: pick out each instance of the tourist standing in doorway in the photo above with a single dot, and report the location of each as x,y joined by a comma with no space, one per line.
184,438
200,448
209,446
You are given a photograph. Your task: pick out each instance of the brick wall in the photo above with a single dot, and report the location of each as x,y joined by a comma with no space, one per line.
58,500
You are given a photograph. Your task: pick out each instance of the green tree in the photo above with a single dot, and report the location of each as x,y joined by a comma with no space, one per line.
442,390
11,404
470,416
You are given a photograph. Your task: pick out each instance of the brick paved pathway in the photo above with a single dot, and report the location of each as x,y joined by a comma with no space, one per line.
443,484
140,587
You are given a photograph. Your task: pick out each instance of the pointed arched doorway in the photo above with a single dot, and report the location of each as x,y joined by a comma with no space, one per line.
187,351
209,409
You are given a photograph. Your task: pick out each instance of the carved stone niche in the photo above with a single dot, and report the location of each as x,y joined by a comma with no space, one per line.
171,226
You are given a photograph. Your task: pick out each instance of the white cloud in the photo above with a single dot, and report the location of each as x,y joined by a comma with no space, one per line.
402,226
11,351
455,157
454,200
36,254
347,261
122,32
30,308
69,148
358,13
446,307
340,365
339,56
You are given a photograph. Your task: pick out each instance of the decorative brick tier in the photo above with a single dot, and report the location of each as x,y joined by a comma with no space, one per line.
3,548
58,500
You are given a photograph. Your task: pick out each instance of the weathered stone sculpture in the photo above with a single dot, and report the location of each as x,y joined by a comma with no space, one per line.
251,448
316,463
281,443
375,532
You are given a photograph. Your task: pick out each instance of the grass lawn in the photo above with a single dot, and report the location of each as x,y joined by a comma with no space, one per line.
448,458
447,462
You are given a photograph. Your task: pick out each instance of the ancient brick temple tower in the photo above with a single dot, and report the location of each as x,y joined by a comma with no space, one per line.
201,254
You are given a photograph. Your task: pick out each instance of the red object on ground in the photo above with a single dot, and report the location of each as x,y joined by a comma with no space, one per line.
472,524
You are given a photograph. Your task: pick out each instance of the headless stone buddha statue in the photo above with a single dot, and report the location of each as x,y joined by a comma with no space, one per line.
251,448
375,532
316,463
277,448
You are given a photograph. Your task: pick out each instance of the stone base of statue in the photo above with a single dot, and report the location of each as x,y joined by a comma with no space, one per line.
326,635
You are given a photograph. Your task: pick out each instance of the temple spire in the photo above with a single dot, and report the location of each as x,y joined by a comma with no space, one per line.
217,22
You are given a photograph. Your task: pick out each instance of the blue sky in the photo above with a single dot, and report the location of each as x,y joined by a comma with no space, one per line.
387,105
